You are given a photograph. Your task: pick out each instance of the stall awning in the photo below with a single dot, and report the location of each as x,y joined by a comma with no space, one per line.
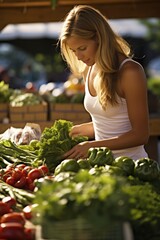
25,11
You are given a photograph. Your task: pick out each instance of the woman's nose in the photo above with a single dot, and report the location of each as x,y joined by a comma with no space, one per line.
79,56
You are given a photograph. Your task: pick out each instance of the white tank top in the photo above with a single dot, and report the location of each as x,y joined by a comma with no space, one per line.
114,121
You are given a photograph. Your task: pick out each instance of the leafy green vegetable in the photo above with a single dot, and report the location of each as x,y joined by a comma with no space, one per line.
55,141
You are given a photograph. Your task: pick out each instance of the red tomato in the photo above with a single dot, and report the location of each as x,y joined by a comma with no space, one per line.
30,185
34,174
28,181
16,217
12,231
27,211
6,174
26,170
44,169
4,208
10,181
21,182
10,167
11,202
17,174
29,234
21,166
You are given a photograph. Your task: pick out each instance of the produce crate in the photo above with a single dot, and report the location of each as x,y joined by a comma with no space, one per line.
30,113
79,230
4,111
73,112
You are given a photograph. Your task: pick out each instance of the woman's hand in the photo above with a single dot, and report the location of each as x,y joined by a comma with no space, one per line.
84,129
78,151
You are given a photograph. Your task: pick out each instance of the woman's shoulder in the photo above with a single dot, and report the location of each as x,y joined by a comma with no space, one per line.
129,65
131,74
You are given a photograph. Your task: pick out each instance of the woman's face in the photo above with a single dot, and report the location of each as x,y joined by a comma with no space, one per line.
84,49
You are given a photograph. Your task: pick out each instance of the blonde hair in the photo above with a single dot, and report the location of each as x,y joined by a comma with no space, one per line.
88,23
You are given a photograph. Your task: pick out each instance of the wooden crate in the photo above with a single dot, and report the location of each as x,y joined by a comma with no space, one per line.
31,113
73,112
4,111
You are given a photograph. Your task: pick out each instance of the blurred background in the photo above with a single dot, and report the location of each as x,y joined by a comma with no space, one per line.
30,52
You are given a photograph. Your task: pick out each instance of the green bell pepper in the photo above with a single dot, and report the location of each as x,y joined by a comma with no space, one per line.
126,164
67,165
146,169
115,170
84,163
100,156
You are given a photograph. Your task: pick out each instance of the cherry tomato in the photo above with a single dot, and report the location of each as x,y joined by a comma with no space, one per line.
26,170
17,174
6,174
34,174
27,211
44,169
21,166
30,185
4,208
21,182
16,217
10,167
10,181
11,202
29,234
12,231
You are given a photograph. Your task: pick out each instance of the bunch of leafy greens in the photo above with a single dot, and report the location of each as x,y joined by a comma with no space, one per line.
55,141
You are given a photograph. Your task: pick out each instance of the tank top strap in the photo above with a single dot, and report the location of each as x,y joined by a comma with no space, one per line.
127,60
124,61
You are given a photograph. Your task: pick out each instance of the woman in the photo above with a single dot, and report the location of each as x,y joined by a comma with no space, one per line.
115,85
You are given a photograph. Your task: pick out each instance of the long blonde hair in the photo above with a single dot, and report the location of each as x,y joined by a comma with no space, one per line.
87,22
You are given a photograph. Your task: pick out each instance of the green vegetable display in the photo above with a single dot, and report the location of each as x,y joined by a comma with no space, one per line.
146,169
126,164
100,156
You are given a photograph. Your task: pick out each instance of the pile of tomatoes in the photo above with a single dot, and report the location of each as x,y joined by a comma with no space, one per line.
13,224
22,176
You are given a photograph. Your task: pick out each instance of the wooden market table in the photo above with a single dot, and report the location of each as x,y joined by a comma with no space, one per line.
151,147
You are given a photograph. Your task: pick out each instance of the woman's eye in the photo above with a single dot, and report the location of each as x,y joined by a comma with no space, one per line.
82,49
